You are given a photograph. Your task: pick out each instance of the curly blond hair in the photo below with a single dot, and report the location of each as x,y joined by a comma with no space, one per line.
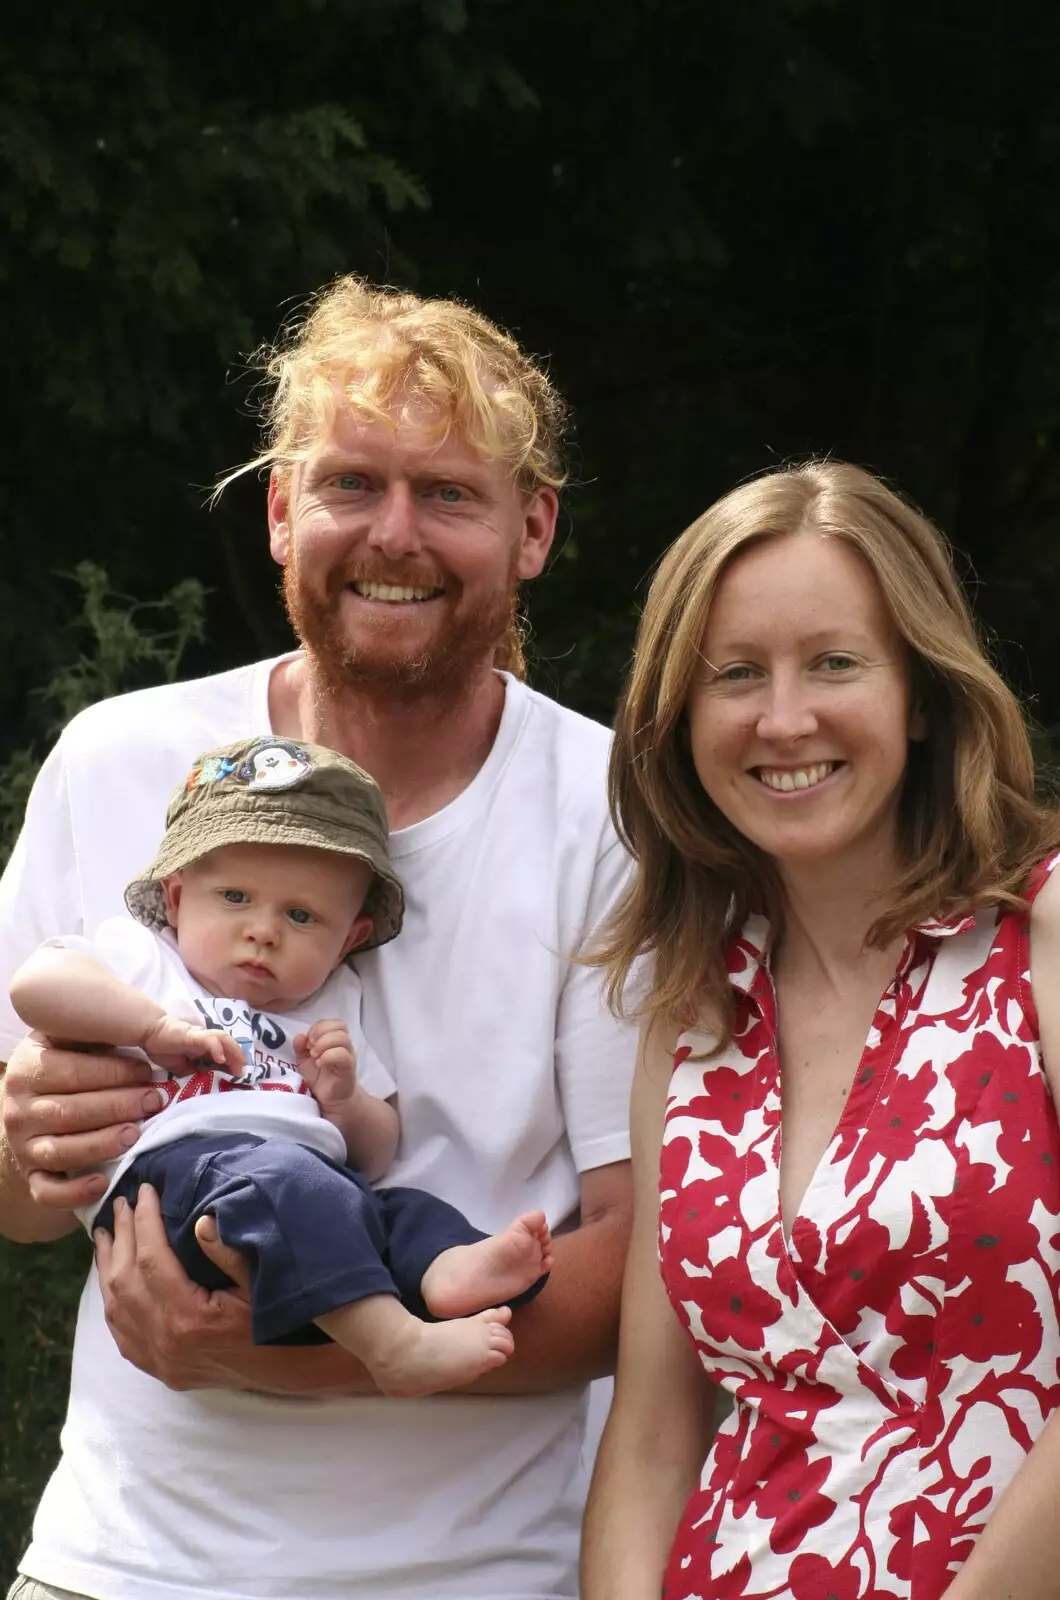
382,352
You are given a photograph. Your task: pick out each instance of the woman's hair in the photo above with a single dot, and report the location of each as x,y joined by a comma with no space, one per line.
970,828
381,353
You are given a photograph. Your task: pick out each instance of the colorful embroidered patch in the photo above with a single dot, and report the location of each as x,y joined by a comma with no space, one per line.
275,764
209,770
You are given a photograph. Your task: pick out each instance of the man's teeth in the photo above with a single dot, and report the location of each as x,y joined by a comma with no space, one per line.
391,591
802,778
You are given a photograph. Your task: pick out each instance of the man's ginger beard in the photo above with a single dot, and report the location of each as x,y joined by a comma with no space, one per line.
375,658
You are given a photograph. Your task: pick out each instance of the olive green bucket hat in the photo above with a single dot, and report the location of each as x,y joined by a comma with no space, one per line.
274,791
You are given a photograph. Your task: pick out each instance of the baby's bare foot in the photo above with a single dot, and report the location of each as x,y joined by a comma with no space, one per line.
469,1276
432,1356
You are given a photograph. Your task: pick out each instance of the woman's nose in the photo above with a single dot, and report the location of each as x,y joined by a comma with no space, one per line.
787,712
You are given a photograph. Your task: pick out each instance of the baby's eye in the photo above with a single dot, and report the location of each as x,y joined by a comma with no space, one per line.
296,914
235,897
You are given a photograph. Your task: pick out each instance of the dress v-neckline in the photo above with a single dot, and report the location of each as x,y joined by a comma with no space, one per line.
865,1073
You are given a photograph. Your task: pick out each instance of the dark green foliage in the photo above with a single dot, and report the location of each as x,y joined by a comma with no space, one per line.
114,643
117,646
40,1286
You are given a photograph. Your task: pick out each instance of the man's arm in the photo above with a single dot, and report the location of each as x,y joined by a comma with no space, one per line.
190,1338
569,1333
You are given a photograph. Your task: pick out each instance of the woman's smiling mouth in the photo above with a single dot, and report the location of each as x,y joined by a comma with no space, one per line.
785,780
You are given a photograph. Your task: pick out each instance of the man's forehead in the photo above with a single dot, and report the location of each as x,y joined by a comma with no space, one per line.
420,432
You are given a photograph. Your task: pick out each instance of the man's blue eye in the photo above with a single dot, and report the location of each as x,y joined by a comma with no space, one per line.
450,494
350,480
299,916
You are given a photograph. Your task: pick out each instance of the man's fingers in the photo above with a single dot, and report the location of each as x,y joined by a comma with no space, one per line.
87,1112
63,1194
120,1254
71,1152
76,1071
229,1261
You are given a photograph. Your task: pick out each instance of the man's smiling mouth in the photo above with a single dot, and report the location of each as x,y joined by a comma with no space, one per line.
393,592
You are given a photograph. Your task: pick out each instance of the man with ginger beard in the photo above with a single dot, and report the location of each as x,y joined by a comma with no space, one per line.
414,457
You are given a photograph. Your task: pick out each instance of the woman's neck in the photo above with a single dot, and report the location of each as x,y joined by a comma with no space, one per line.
829,910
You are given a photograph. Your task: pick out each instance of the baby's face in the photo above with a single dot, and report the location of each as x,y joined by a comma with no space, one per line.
267,923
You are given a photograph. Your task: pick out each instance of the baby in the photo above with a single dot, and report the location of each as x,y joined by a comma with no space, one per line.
235,980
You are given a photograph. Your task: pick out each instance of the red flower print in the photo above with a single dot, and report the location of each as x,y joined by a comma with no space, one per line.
790,1496
902,1111
990,1319
734,1307
994,1215
814,1578
862,1270
911,1324
728,1095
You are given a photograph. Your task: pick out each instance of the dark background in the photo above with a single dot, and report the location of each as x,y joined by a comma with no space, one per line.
739,231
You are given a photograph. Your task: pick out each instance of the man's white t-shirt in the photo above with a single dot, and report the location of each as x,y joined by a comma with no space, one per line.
270,1098
512,1080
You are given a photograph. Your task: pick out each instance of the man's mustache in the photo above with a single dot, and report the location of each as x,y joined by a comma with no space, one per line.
398,577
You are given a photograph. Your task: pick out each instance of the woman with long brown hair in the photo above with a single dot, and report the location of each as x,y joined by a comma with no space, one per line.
846,1142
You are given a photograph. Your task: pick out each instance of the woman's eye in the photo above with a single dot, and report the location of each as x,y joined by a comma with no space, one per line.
350,480
838,663
734,674
296,914
234,897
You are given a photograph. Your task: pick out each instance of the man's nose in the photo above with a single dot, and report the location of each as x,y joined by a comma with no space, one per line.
787,710
395,526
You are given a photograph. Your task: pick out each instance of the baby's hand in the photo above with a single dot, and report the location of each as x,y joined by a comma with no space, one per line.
172,1044
326,1060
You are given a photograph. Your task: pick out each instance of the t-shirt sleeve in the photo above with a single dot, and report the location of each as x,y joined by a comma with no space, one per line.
595,1051
40,888
126,948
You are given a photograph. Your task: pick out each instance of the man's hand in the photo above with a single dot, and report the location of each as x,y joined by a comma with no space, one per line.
186,1336
68,1109
190,1338
325,1057
174,1044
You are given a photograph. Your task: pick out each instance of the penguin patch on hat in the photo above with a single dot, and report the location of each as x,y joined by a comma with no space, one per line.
275,764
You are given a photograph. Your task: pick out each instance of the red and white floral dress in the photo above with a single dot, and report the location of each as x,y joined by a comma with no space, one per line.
893,1362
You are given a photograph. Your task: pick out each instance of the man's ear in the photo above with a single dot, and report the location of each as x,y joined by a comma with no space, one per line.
360,930
172,889
539,530
278,504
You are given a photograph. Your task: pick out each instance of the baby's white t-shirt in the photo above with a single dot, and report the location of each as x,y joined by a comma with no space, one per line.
271,1099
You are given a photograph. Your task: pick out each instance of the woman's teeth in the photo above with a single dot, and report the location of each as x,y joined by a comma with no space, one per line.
800,778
